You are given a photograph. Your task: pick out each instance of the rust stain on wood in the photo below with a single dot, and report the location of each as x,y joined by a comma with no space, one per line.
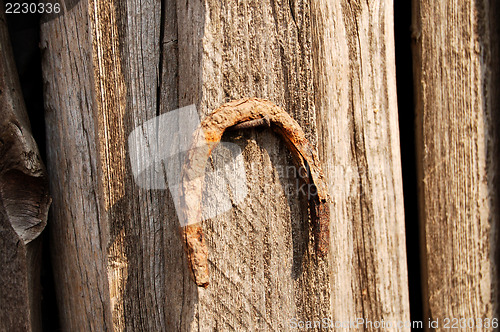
243,114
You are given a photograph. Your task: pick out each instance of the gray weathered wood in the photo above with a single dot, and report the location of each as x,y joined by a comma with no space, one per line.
118,257
355,96
24,202
456,65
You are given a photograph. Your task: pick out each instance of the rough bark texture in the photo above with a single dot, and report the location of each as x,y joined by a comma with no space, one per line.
24,202
456,65
119,263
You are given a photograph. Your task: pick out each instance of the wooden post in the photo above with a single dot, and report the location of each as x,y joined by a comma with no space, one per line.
456,65
355,94
24,202
118,257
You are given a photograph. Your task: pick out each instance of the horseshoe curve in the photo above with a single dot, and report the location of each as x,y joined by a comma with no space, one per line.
205,139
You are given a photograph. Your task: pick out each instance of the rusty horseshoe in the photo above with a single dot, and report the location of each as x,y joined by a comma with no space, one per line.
241,114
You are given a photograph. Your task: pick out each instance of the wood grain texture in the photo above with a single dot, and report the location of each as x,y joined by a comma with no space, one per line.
118,256
456,63
263,267
24,202
355,96
79,229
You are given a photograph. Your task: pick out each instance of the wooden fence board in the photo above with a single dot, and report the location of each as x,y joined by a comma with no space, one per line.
456,88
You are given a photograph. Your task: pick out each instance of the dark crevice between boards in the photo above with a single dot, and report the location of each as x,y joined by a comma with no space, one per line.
24,31
406,109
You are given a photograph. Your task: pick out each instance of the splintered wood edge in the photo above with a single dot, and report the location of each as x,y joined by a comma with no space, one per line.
206,138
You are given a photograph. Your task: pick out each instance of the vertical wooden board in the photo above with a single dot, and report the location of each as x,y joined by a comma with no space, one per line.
456,86
79,228
101,67
138,219
263,266
355,95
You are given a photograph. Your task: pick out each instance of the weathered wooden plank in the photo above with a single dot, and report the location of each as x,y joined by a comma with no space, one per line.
355,95
79,229
456,65
262,259
24,202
